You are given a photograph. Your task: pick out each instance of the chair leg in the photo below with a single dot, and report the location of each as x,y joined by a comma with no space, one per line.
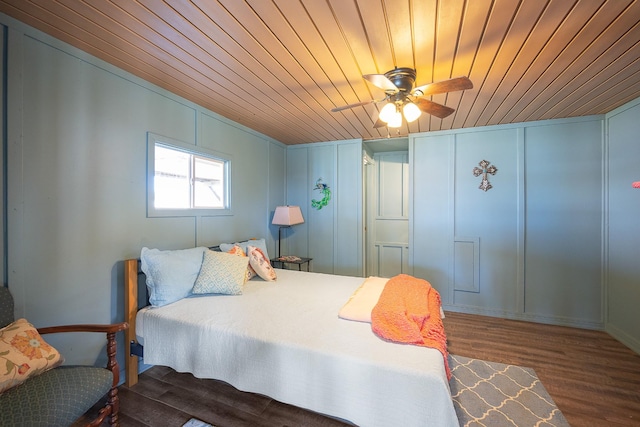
114,403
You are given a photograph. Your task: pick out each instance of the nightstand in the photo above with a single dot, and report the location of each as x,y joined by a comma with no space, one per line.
299,263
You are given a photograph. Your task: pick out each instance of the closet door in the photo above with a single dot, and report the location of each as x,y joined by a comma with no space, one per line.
388,224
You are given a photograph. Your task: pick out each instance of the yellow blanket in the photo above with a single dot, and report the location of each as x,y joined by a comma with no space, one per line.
408,312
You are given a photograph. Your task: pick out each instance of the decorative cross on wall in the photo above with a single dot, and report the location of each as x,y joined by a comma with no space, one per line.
483,170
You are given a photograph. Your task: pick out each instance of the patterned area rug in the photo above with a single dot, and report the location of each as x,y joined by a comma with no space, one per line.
496,395
488,394
196,423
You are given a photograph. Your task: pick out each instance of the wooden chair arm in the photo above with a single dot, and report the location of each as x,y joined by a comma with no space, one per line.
116,327
113,402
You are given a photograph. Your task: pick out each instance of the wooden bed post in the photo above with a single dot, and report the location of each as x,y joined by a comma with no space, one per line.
130,311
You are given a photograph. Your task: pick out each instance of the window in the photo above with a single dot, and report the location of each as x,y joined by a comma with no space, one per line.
185,180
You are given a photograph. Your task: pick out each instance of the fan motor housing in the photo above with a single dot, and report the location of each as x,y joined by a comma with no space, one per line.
403,78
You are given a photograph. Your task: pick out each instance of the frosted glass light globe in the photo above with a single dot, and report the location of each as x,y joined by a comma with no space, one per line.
387,113
411,112
396,120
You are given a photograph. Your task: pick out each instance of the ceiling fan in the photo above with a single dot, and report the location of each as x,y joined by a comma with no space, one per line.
405,100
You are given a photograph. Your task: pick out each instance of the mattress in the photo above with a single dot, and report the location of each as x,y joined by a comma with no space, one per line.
284,339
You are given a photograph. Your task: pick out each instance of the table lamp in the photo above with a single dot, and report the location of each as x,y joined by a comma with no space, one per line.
286,216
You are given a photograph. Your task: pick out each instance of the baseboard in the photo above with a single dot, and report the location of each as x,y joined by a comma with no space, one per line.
535,318
626,339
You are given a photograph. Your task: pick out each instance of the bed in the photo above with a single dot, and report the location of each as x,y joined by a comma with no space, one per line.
284,339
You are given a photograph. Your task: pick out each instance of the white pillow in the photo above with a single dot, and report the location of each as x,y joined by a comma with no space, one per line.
221,273
363,300
258,243
170,274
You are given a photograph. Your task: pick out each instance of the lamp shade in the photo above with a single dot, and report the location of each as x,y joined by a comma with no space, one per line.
287,215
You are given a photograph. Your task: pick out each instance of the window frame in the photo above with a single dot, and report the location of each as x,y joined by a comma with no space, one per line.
192,150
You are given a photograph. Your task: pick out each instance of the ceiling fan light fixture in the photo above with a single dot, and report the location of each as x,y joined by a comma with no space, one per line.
388,112
403,101
396,120
411,112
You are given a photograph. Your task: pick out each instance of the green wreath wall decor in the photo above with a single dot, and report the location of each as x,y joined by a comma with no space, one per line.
326,193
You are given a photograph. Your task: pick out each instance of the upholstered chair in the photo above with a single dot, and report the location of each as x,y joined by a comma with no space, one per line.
63,394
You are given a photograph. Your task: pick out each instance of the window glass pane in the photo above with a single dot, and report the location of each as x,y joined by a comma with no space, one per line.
172,189
186,180
208,183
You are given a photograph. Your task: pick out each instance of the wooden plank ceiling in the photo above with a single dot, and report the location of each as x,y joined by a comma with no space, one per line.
280,66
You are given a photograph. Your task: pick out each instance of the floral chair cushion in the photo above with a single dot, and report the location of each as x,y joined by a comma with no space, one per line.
24,354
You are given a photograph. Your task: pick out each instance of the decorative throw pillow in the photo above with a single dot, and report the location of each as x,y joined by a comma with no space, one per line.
258,243
170,274
260,263
237,250
24,354
221,273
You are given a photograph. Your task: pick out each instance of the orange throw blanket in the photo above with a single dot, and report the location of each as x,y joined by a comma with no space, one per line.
408,311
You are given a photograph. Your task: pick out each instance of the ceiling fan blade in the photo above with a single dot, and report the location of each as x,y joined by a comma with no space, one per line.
357,104
379,123
451,85
433,108
381,81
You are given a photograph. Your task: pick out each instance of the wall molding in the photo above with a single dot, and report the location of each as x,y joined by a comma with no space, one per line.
466,272
623,337
536,318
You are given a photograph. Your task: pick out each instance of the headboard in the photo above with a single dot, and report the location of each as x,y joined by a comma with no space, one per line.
132,273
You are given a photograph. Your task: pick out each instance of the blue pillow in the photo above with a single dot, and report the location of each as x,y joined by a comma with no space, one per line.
170,274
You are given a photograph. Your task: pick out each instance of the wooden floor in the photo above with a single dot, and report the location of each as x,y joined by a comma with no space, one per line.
594,380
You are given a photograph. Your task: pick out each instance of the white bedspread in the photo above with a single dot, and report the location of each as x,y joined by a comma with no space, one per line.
284,339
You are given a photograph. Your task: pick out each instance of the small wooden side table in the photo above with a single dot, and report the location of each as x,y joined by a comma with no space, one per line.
300,262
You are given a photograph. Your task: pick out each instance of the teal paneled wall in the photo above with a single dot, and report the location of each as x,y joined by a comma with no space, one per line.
321,222
563,244
295,240
530,247
332,235
623,261
348,253
77,182
490,216
431,210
